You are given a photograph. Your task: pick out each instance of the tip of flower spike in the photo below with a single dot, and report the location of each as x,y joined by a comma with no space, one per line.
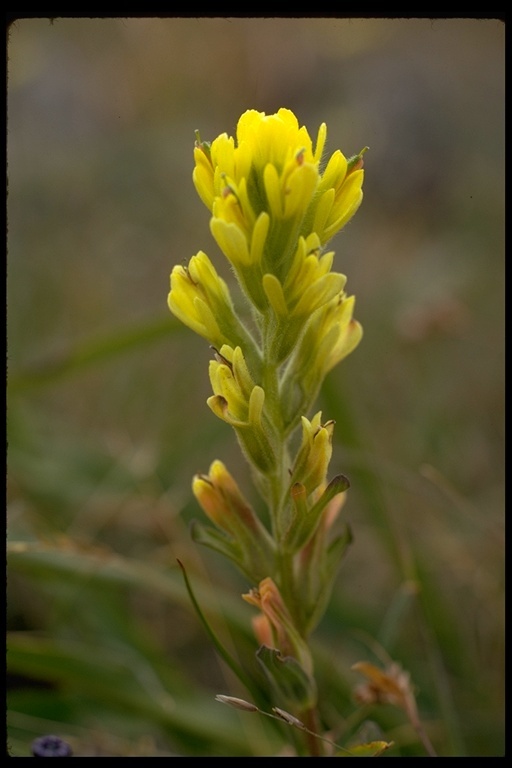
356,162
204,145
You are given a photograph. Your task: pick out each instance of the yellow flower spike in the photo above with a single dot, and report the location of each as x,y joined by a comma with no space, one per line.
275,202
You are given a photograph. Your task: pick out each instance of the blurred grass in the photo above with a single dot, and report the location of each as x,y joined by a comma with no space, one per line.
107,420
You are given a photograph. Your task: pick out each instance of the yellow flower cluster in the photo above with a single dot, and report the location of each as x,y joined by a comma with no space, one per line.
274,170
267,193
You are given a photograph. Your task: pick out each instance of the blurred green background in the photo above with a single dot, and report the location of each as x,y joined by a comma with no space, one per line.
107,420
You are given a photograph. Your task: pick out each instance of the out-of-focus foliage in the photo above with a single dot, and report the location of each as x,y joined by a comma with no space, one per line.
107,420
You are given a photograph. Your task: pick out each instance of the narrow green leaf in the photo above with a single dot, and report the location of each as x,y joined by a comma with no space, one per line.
66,560
214,539
223,653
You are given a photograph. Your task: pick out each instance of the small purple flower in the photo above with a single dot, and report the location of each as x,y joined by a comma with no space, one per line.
50,746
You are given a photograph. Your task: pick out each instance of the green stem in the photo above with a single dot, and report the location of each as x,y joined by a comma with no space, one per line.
313,744
278,486
287,583
270,383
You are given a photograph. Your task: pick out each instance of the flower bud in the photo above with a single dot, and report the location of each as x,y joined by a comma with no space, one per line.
200,298
221,499
239,402
286,637
340,195
330,335
312,462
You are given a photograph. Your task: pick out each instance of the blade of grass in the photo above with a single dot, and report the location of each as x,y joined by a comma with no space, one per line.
100,673
405,559
68,561
365,480
92,352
